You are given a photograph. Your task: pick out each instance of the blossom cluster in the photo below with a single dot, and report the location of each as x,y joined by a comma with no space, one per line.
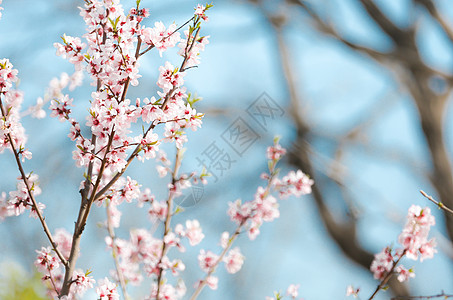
249,216
11,129
197,45
142,254
351,291
109,53
50,265
160,37
233,260
54,92
107,290
414,237
415,244
19,200
113,43
264,206
12,136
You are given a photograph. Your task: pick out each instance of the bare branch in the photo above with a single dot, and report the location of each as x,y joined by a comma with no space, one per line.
440,205
435,14
394,32
441,295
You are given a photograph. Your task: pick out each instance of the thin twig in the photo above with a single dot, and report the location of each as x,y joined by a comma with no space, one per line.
52,281
203,283
439,204
178,161
443,295
388,276
236,233
177,29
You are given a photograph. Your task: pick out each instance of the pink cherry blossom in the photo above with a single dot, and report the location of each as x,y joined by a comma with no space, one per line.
162,171
169,77
5,208
11,129
127,190
193,232
25,155
37,111
145,197
212,282
60,108
109,52
266,206
200,11
295,183
64,241
176,266
151,111
382,263
225,237
168,291
233,260
81,282
150,145
158,210
207,260
82,155
107,290
191,47
161,37
8,75
19,200
40,207
427,250
414,237
46,260
293,290
404,274
350,291
71,49
275,152
239,212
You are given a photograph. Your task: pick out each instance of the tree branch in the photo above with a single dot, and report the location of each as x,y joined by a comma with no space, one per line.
439,204
30,194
